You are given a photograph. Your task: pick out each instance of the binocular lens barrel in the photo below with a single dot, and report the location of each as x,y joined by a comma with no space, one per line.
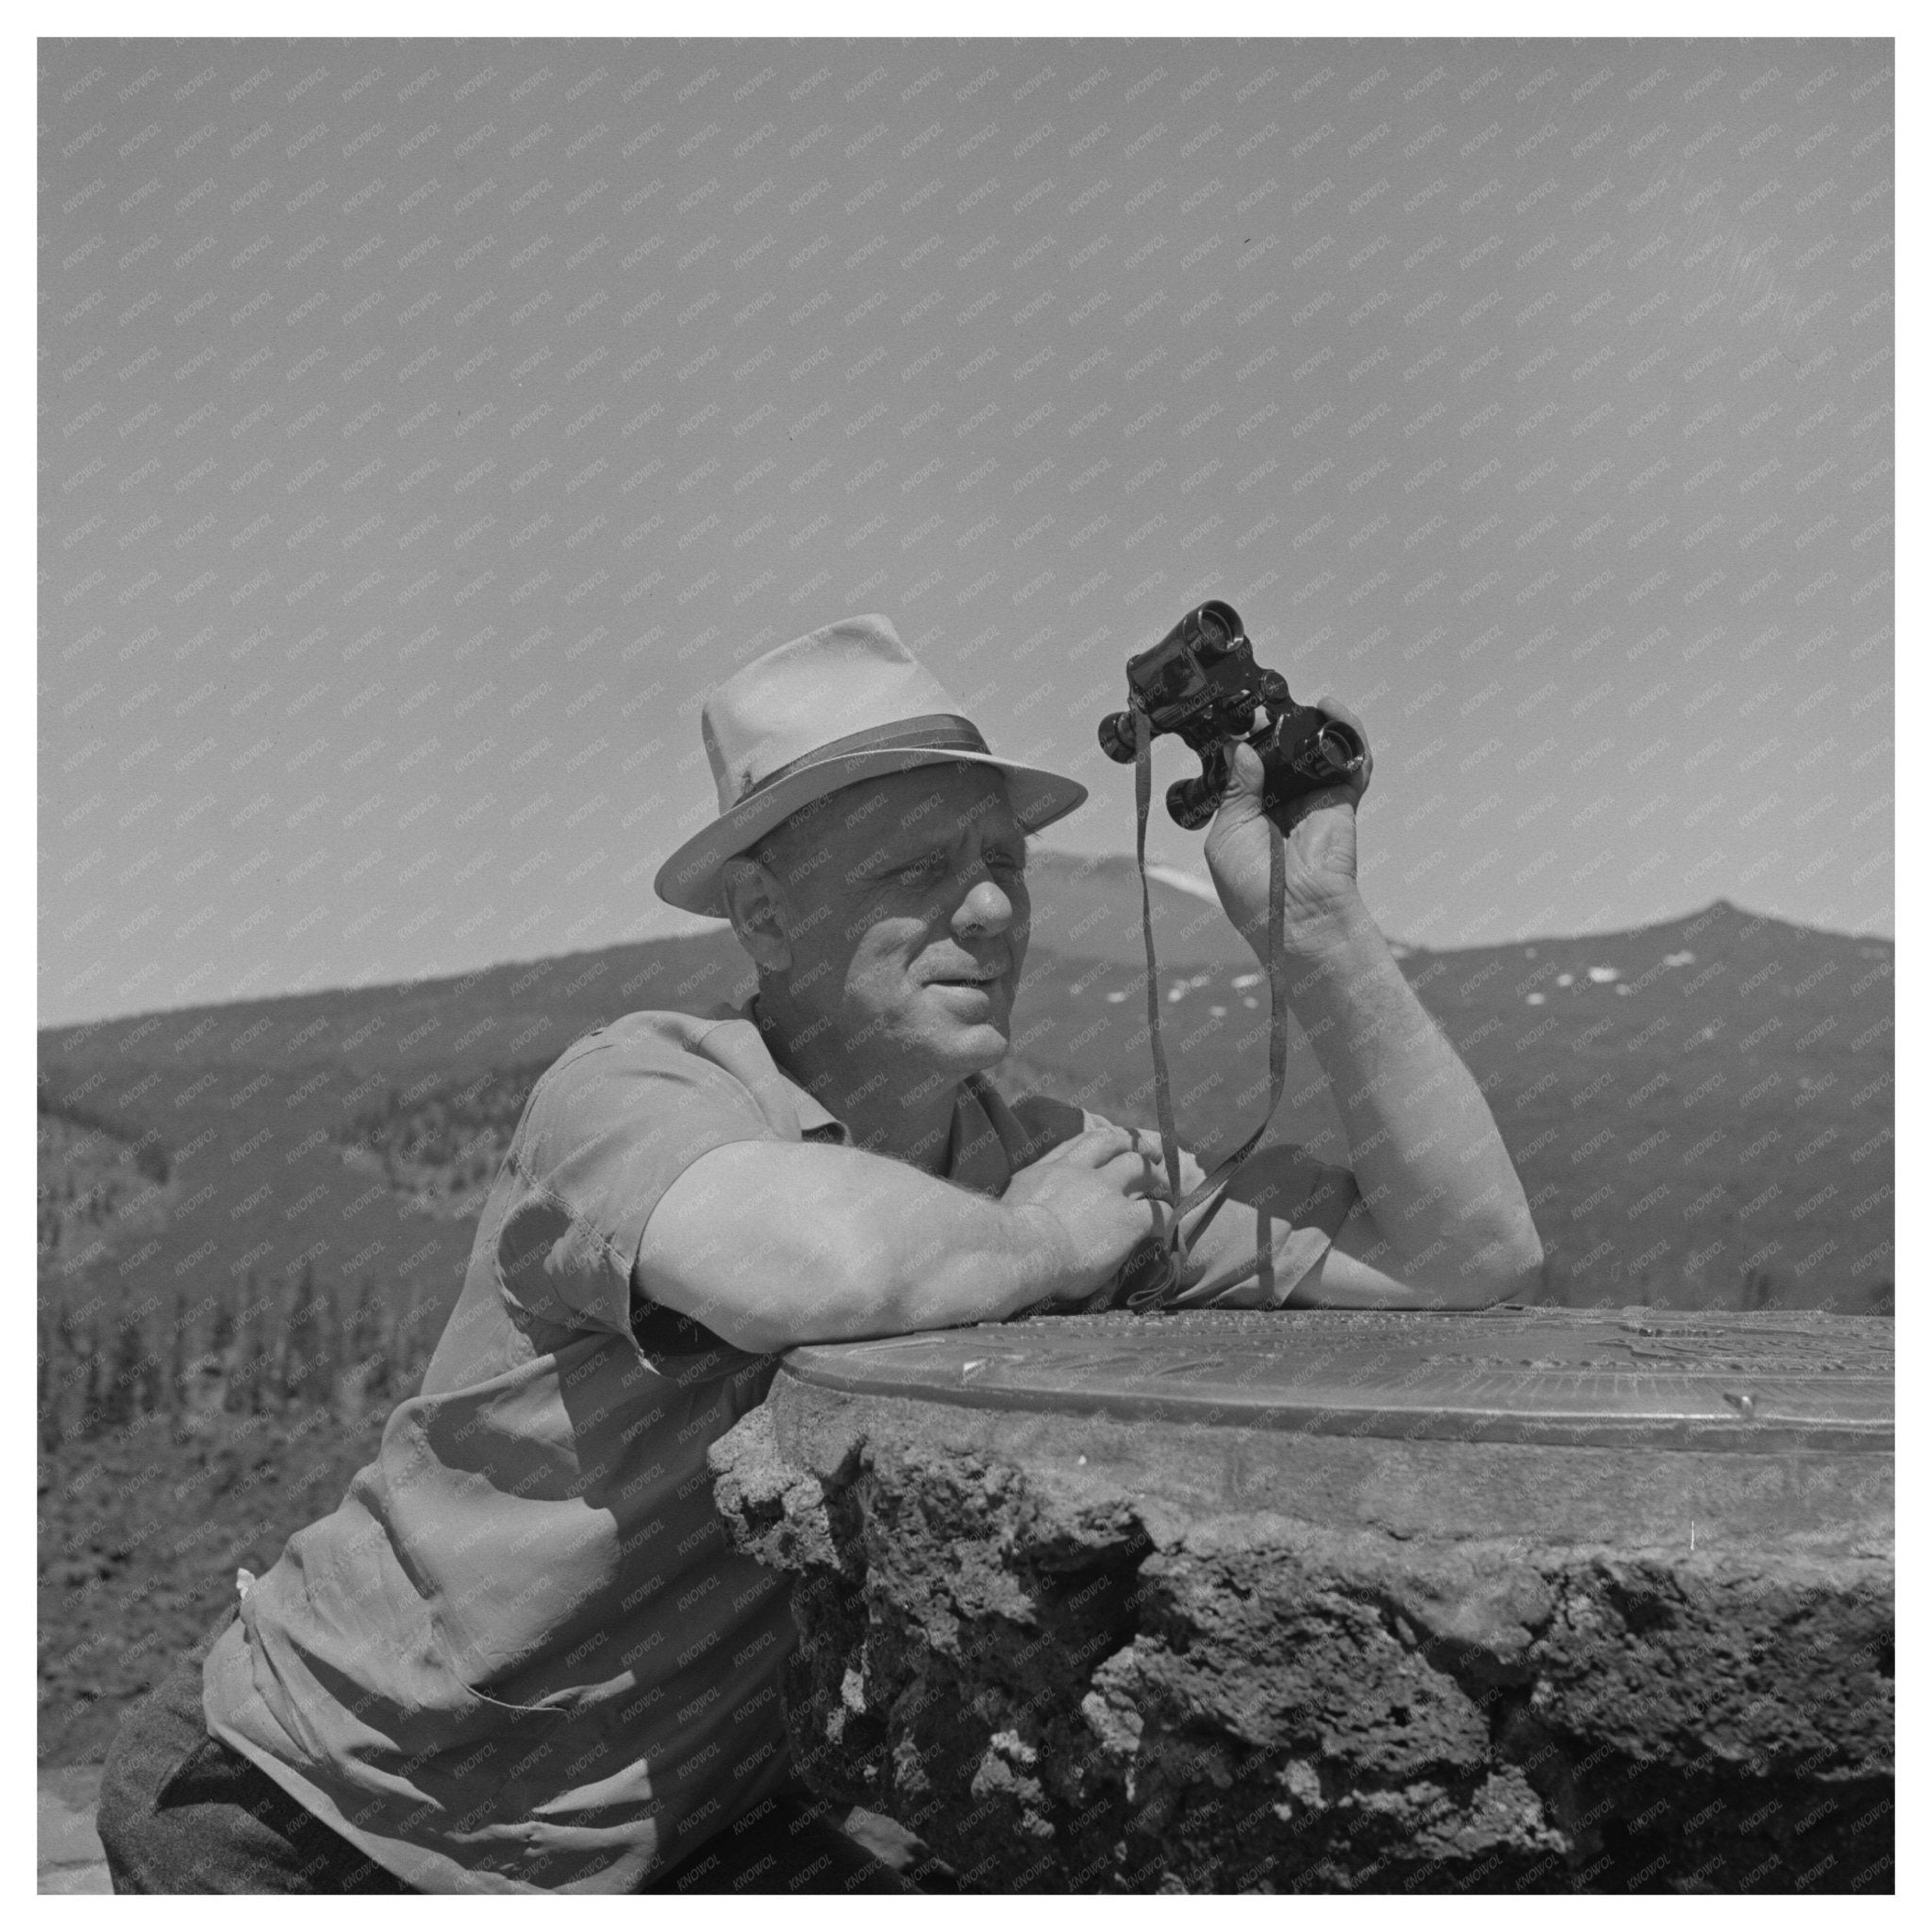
1211,629
1192,803
1337,751
1117,737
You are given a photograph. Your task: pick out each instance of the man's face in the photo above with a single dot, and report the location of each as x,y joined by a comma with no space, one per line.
908,916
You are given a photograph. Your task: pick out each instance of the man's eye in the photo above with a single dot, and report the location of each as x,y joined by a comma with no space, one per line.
924,872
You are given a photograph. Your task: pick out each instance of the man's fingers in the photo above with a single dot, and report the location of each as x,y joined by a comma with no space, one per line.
1248,776
1092,1146
1137,1172
1126,1158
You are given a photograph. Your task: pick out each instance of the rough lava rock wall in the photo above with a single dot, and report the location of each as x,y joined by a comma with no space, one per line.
1083,1654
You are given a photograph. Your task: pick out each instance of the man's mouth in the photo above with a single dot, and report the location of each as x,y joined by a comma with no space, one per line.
968,979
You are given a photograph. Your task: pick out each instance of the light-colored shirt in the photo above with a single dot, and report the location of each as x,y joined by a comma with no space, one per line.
523,1656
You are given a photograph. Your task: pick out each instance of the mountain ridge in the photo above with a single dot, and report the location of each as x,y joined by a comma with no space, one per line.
1066,875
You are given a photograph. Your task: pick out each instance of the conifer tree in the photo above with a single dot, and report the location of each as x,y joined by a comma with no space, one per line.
365,1324
176,1390
365,1360
328,1351
154,1380
49,1405
244,1395
70,1368
299,1365
92,1392
220,1338
122,1395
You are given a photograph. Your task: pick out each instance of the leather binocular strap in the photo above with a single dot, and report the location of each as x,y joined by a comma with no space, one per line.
1162,1291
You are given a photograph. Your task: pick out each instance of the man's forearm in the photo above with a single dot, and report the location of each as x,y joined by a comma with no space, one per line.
772,1244
855,1245
966,1258
1427,1158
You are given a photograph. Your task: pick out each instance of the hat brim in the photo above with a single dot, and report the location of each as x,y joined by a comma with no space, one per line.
691,879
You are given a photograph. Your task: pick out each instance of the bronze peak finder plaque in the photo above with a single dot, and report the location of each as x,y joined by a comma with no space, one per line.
1637,1376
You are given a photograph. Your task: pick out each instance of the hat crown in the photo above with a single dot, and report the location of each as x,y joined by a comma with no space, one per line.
851,676
843,704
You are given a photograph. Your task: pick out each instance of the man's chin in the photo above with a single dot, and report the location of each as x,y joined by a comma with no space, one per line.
975,1049
978,1049
966,1039
1000,1046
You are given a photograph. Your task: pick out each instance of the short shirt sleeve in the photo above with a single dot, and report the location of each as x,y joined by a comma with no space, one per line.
1283,1210
606,1132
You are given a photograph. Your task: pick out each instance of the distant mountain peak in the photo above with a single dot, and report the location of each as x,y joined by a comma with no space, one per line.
1185,882
1720,923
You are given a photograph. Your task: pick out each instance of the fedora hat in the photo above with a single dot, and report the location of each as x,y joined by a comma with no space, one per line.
845,703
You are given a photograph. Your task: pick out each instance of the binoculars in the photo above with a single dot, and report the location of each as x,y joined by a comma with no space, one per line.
1200,683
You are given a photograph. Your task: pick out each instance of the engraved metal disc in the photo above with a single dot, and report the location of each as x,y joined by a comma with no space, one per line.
1636,1377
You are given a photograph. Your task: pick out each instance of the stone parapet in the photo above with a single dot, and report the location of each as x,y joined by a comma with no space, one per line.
1082,1645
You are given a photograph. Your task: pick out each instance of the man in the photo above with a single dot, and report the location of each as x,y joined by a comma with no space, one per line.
521,1655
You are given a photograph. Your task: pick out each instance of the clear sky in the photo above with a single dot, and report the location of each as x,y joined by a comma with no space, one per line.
424,426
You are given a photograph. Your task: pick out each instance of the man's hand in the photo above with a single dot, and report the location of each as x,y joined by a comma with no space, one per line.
1322,902
1094,1197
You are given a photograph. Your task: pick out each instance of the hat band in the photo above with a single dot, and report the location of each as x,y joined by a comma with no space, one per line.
936,731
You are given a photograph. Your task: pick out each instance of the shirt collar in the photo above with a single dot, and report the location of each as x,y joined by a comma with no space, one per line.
976,1156
814,1120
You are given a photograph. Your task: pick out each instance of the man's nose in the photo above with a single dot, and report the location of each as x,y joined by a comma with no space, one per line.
986,908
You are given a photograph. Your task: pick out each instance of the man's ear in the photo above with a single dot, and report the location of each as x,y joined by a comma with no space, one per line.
757,904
